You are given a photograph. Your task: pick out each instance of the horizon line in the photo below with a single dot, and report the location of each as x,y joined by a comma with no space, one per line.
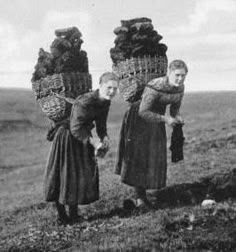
188,91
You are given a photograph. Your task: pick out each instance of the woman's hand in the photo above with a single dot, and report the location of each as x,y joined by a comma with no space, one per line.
170,121
179,119
106,142
102,148
92,141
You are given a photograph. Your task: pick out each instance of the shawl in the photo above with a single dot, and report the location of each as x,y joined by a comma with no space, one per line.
162,85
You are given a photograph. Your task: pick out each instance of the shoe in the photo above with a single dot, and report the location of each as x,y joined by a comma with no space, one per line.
129,204
143,204
74,216
76,219
63,221
62,218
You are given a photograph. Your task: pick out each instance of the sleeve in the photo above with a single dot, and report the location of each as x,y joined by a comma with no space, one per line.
101,123
174,107
78,122
149,98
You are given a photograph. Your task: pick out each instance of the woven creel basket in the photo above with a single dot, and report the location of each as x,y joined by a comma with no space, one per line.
135,73
55,93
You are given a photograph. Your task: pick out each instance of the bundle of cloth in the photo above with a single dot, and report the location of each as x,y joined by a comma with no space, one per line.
136,38
65,55
177,143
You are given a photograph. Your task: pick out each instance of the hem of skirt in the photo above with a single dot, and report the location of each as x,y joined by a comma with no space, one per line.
77,202
65,202
145,186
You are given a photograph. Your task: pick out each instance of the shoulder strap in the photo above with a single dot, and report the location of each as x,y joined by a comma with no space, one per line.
68,99
145,84
148,85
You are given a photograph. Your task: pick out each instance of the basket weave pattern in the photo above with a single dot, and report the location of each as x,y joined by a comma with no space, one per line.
66,85
134,73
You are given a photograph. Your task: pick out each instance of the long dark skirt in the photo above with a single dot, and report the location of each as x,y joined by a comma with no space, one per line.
142,155
71,175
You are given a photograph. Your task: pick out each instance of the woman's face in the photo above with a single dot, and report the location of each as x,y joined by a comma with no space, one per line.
177,77
108,89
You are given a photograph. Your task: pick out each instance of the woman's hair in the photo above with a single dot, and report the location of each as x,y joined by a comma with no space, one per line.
108,76
177,64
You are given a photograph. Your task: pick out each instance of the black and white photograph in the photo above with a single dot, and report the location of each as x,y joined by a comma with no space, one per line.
117,125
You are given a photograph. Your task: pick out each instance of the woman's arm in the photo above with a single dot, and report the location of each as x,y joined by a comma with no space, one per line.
101,123
145,110
79,122
175,108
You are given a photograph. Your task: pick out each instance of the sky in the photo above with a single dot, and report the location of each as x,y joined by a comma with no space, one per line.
201,32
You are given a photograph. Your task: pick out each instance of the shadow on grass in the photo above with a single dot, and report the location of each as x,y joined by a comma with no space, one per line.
218,186
118,211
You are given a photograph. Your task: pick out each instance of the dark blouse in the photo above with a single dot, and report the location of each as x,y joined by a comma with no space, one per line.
87,110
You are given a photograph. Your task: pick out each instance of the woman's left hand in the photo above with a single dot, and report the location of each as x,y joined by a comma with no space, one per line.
106,142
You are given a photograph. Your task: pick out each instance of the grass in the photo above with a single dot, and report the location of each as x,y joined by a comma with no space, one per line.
28,223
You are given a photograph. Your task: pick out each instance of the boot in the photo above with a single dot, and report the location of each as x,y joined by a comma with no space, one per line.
62,218
141,199
73,214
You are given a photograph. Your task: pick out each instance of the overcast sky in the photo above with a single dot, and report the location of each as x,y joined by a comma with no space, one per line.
201,32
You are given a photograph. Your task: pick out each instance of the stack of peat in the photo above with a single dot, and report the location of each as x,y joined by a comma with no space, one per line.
61,75
138,56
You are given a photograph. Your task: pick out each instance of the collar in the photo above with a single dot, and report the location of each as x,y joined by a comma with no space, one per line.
100,101
162,84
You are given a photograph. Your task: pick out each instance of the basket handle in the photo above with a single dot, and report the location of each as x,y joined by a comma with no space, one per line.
68,99
145,84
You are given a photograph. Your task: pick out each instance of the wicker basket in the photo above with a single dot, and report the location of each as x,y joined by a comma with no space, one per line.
135,73
52,92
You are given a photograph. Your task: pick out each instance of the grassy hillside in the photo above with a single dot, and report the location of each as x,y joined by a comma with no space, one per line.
28,223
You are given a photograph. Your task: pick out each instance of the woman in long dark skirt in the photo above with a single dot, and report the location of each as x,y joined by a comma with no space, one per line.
72,171
142,153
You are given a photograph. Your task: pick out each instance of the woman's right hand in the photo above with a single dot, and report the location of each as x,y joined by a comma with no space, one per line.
170,121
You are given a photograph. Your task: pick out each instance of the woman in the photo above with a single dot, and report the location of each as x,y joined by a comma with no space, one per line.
142,154
72,171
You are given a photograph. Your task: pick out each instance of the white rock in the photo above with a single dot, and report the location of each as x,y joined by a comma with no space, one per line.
208,202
